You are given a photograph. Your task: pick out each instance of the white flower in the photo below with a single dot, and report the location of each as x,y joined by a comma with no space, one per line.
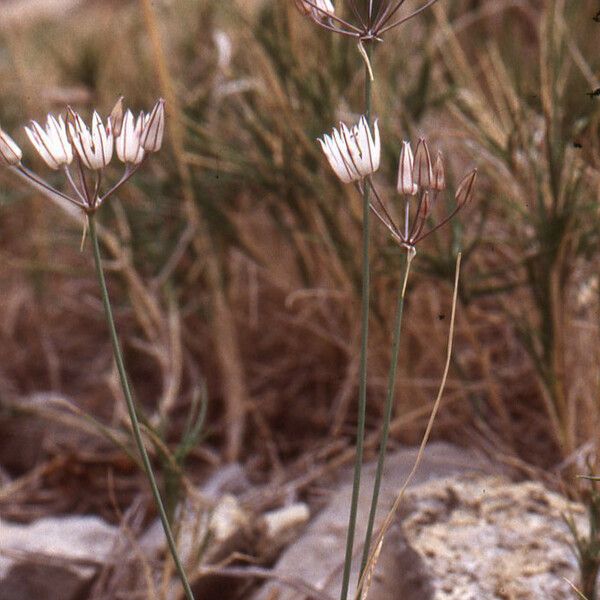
128,142
406,182
10,153
353,153
52,143
154,128
94,148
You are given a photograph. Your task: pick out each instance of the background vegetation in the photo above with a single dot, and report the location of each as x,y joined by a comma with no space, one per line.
234,254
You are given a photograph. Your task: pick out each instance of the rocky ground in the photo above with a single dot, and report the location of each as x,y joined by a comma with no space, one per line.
463,532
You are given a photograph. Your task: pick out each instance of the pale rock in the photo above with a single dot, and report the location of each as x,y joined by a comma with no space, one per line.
53,558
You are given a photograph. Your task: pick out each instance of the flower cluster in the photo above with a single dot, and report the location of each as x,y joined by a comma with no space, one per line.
371,18
354,154
67,141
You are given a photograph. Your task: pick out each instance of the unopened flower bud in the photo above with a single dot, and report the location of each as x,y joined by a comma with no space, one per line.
439,176
422,170
406,183
154,128
464,192
10,153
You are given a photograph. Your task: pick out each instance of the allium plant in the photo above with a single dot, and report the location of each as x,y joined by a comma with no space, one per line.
83,153
353,154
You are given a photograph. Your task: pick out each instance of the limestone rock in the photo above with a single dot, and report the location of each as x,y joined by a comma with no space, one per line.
53,558
317,556
485,537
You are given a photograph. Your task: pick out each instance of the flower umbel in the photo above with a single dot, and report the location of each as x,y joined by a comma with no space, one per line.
353,153
64,141
370,18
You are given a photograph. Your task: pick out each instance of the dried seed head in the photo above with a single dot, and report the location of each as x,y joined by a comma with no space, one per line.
439,176
422,170
371,19
116,117
406,183
317,9
465,190
10,153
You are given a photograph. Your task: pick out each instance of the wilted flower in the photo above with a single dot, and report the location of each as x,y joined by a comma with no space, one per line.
10,153
95,147
422,168
154,128
417,176
438,182
52,143
63,140
371,18
128,142
353,153
116,117
465,190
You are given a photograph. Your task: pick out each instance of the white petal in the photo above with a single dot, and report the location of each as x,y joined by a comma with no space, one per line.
38,137
10,153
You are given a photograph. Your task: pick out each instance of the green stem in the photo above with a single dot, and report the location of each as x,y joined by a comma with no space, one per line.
388,410
362,399
131,408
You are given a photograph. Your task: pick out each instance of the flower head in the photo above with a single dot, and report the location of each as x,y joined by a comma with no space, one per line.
51,142
10,153
371,20
353,153
63,139
94,147
154,128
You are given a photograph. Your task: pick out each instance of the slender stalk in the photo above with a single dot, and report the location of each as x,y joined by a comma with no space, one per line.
387,523
131,408
362,398
388,409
